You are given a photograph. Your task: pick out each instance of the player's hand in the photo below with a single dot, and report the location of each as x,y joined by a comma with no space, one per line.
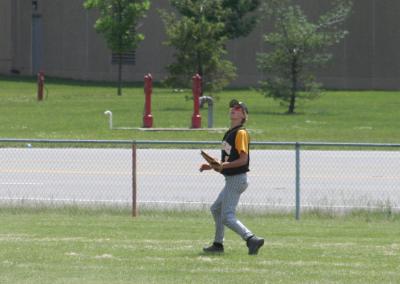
205,167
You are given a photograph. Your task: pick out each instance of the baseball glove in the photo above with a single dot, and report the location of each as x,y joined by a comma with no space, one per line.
215,164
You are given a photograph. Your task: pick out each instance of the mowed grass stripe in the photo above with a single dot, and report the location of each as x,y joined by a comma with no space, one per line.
53,246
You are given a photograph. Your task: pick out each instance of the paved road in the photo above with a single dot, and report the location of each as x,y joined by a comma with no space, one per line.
338,179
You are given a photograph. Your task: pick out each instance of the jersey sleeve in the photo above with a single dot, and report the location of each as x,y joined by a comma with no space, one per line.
242,141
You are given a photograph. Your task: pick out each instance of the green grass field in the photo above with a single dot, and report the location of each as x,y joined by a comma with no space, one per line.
49,246
75,110
107,246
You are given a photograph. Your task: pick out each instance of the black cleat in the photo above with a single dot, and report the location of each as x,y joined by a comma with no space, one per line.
214,248
254,244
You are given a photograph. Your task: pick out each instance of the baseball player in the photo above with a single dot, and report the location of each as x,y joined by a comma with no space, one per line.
234,166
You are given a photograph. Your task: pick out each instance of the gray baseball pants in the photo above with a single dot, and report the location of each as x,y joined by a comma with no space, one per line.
224,208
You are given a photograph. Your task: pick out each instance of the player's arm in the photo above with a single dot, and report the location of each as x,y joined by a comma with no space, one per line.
243,158
205,167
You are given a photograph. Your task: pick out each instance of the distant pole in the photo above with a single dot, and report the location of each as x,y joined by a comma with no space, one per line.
196,90
40,83
148,89
110,118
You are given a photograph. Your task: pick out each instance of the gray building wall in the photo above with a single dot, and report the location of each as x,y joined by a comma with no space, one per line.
5,37
367,59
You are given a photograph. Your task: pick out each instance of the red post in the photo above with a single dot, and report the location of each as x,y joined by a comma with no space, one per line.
148,89
40,82
196,90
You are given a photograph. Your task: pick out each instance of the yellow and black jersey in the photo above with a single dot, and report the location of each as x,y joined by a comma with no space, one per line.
235,141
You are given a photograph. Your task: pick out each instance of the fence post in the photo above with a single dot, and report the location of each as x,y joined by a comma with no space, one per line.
134,182
297,181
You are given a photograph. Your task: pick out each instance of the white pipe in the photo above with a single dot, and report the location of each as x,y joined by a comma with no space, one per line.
210,102
109,113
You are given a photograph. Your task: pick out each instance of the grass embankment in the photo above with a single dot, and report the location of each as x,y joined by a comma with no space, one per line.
75,110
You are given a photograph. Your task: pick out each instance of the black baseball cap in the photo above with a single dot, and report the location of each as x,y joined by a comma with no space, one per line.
235,102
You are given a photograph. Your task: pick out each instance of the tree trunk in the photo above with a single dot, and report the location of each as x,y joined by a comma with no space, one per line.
292,103
120,74
119,51
200,72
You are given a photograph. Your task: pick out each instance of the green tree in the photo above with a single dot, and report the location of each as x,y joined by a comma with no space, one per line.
298,47
199,34
199,46
118,22
238,18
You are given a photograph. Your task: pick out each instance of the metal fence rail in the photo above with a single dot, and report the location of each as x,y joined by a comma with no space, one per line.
164,174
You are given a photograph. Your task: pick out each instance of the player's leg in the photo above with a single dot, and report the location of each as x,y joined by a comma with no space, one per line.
216,211
235,186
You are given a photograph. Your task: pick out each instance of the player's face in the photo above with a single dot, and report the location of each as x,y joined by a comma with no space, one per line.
236,112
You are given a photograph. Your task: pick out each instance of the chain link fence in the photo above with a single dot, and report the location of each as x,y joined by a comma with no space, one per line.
165,175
